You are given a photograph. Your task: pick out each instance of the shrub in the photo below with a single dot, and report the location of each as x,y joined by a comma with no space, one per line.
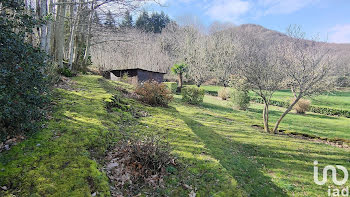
240,99
302,106
224,93
172,86
154,93
343,81
23,78
65,72
192,95
125,78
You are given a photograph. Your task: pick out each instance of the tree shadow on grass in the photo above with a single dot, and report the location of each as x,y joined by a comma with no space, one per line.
237,159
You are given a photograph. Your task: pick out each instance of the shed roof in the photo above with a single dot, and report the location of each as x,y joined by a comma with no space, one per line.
161,72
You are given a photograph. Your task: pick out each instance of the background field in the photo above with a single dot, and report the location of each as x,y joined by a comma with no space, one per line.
336,100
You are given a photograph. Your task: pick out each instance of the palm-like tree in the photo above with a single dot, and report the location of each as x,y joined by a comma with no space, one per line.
179,69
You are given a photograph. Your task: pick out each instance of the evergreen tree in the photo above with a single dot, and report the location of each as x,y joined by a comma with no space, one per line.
127,21
154,23
143,22
159,21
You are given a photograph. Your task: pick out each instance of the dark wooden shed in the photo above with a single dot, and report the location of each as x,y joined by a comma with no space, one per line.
136,75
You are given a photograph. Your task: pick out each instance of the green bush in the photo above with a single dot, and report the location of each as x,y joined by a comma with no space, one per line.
240,99
65,72
192,95
172,86
154,93
343,81
23,79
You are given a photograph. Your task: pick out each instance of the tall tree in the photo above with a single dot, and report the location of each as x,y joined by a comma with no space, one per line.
154,23
143,22
258,65
127,21
307,66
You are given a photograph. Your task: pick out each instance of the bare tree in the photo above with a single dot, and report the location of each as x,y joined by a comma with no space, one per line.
223,53
258,65
130,48
307,67
195,52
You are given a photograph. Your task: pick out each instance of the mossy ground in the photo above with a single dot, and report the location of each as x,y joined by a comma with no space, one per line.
218,152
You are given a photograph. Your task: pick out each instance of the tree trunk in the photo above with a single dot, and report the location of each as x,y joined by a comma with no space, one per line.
59,34
71,46
179,87
180,80
266,117
49,31
72,34
43,36
285,113
88,40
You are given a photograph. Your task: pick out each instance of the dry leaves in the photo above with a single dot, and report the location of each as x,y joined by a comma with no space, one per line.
134,165
10,142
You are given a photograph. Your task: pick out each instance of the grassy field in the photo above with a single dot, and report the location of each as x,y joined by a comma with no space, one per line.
336,100
310,123
218,152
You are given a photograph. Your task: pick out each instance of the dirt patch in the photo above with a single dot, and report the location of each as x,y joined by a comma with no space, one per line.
65,83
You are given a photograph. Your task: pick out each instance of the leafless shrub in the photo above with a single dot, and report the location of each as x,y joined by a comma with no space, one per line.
134,165
302,106
224,93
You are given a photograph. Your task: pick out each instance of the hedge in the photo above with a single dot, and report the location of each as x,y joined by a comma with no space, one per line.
192,95
315,109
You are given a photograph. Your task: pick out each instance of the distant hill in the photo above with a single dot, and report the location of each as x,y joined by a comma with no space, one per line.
272,35
341,51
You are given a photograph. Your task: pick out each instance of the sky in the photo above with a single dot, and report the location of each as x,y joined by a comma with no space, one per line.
329,19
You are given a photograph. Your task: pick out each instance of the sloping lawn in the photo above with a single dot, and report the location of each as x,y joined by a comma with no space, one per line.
263,164
66,158
217,151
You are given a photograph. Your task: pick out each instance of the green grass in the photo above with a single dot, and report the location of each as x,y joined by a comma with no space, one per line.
311,123
263,164
218,152
65,158
336,99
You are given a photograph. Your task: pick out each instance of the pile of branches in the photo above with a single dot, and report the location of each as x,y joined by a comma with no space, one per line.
137,164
